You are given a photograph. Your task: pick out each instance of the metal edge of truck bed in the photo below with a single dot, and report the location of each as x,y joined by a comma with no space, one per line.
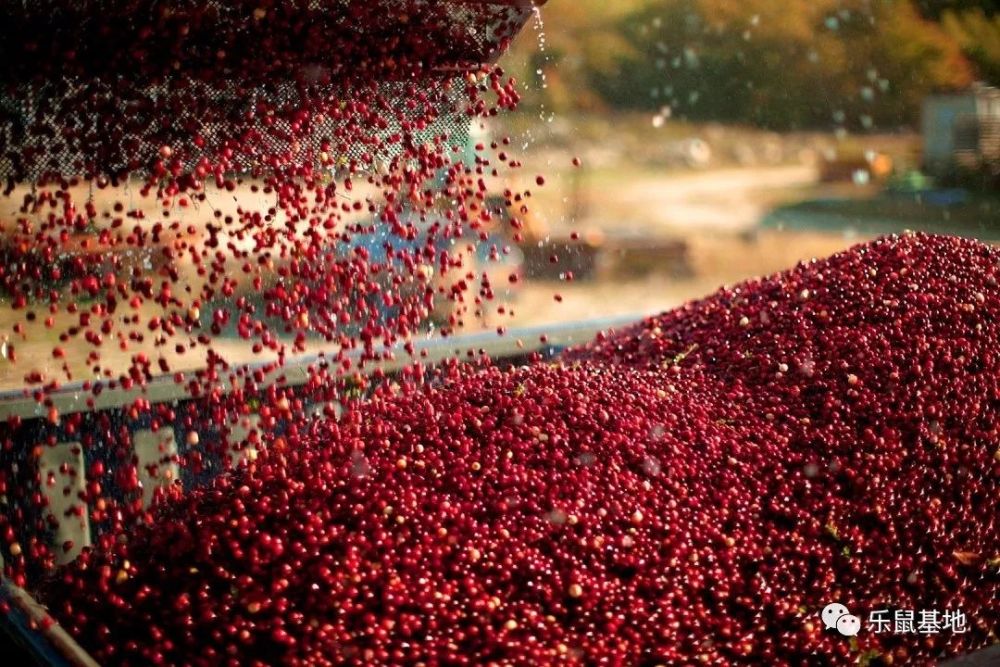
72,398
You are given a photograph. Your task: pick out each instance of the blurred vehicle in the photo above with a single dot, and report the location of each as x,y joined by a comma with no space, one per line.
542,253
464,277
876,167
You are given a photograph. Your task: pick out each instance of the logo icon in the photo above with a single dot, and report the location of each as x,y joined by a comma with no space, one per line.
836,616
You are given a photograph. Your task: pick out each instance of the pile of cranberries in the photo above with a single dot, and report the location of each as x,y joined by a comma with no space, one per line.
695,489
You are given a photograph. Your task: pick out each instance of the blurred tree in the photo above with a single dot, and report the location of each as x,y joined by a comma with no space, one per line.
979,36
785,65
750,61
935,9
897,57
581,42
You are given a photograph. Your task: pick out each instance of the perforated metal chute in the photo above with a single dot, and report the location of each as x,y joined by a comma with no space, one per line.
96,87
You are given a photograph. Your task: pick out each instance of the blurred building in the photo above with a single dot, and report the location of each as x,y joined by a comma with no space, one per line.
961,131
